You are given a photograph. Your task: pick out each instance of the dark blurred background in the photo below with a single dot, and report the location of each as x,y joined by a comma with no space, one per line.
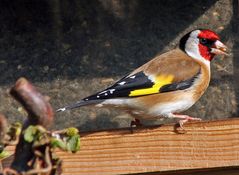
70,49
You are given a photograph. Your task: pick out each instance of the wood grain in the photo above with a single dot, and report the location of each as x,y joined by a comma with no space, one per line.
156,149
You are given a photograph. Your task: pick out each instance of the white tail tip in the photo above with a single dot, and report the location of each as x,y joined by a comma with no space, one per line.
60,109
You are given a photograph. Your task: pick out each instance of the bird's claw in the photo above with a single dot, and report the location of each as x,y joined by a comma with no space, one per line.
186,119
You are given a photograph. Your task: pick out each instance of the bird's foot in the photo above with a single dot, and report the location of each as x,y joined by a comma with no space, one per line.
185,119
135,123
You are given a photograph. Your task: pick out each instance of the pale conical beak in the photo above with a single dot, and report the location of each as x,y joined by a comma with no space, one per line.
219,48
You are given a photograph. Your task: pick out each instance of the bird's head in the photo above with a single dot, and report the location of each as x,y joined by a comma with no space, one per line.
202,44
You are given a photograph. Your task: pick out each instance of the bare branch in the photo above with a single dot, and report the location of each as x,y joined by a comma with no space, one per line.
39,113
3,127
38,109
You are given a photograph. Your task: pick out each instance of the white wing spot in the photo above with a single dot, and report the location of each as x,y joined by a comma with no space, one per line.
132,77
61,109
111,90
86,99
122,83
102,92
106,92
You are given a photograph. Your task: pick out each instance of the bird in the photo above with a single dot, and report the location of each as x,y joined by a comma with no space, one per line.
167,85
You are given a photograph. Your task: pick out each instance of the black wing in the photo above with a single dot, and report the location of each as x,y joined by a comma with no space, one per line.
138,81
123,87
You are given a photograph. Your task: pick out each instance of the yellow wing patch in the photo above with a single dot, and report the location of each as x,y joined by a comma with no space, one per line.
160,81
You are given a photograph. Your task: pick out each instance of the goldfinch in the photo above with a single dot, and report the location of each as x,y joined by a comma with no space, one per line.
168,84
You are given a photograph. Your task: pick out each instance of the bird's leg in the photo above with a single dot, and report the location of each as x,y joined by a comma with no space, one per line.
135,123
183,119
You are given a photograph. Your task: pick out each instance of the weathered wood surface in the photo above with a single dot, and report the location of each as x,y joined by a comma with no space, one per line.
157,149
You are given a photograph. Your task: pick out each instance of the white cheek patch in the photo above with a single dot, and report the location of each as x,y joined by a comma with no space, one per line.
192,48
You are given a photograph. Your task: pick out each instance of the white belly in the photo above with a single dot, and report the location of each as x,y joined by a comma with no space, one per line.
163,109
157,110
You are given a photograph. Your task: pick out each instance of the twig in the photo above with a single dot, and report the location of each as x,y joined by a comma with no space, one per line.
3,128
39,112
47,160
38,109
11,171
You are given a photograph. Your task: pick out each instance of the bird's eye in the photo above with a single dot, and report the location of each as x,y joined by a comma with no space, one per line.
206,42
203,41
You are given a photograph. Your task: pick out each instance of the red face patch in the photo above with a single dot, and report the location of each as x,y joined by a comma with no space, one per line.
208,34
204,50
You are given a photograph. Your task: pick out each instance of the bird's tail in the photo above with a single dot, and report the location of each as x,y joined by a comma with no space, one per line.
78,104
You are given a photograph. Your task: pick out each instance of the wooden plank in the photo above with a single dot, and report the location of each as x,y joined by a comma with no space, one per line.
156,149
205,171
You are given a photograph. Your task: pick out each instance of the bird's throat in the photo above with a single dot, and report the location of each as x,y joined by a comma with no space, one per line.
205,52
